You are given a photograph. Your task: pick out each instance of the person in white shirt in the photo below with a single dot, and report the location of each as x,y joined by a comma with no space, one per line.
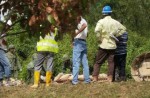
80,51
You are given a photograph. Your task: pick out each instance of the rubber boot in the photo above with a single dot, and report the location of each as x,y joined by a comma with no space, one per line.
48,78
36,79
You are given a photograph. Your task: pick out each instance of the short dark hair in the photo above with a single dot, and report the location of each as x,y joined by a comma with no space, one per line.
108,14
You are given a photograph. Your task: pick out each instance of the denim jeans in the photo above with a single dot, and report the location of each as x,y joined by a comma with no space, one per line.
4,65
80,55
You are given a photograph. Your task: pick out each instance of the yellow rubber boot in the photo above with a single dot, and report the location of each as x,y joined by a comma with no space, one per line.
36,79
48,78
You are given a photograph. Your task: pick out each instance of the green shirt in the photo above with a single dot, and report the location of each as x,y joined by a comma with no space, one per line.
14,61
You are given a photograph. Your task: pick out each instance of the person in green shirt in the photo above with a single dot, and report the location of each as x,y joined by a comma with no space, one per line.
14,61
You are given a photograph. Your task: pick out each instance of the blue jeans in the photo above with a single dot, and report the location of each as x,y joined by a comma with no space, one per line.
4,65
80,55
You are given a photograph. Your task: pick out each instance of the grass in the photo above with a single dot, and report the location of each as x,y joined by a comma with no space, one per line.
129,89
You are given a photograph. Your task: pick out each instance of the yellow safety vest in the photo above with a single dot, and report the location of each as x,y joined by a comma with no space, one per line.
48,43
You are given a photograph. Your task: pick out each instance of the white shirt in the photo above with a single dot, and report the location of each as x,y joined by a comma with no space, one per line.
83,34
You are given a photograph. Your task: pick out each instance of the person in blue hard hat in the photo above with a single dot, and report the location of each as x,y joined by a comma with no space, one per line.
107,30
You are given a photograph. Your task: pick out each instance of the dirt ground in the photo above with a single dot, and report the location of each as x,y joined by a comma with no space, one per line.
129,89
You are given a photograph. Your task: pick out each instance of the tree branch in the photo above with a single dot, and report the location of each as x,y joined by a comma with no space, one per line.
5,35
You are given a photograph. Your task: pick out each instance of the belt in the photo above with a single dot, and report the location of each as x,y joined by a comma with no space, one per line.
80,39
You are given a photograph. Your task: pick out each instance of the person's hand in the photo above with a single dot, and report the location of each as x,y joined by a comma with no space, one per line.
76,32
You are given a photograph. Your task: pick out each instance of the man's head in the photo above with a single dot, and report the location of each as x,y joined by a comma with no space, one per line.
11,48
49,10
106,10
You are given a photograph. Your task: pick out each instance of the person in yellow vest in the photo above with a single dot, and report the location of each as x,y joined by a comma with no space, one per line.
46,48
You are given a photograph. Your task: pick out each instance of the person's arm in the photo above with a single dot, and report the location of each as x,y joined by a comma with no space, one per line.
98,27
98,30
81,29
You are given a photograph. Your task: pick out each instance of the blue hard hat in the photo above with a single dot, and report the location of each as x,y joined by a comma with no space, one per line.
106,10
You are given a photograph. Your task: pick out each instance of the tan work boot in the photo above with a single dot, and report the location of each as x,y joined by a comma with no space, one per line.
109,78
48,78
36,79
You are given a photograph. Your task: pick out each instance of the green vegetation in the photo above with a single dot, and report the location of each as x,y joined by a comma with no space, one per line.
135,18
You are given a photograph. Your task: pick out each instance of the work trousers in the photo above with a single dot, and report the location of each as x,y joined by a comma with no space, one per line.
120,65
101,56
42,56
